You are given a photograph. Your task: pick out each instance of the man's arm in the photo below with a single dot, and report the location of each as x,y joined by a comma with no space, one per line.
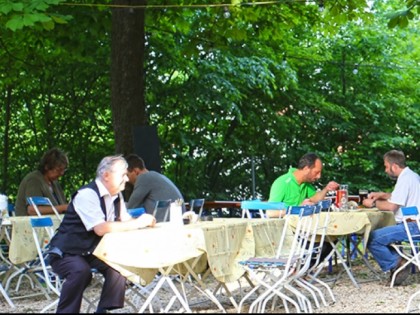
46,209
380,201
320,195
119,226
34,187
139,194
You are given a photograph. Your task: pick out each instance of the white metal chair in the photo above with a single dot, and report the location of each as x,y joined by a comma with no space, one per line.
310,280
22,270
197,205
38,201
309,252
274,275
409,249
5,264
3,269
40,266
161,211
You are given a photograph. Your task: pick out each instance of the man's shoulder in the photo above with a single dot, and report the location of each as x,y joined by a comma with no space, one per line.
151,177
151,174
286,177
413,173
409,174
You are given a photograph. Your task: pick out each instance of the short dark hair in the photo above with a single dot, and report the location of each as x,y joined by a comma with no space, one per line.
308,160
134,161
395,157
52,159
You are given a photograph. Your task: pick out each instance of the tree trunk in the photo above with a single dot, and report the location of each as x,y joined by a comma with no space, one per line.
127,72
5,161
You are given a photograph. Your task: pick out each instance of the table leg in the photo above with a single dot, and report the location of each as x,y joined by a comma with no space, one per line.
356,242
202,286
166,277
343,261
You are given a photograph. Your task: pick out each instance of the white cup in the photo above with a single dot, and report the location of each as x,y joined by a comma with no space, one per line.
175,214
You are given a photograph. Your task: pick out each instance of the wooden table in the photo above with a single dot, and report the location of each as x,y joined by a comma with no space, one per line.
361,222
22,245
213,246
232,208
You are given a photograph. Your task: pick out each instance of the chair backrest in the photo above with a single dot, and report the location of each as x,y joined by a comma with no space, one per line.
136,212
326,207
161,211
297,240
11,210
197,205
37,201
260,206
409,211
410,214
325,204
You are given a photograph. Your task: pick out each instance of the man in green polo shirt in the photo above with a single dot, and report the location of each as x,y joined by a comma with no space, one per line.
296,187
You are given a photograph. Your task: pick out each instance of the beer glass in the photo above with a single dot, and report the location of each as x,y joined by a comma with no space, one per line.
363,194
342,197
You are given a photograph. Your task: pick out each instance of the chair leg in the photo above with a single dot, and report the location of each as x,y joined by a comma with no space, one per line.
6,297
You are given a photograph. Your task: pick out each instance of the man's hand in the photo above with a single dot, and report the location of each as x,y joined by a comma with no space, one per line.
369,202
307,202
146,220
332,185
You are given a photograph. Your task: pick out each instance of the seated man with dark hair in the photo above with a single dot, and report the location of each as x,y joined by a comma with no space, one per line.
296,188
149,186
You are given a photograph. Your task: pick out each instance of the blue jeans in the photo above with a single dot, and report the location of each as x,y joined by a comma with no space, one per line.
380,240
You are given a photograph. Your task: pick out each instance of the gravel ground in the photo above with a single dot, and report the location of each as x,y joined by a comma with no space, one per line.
373,296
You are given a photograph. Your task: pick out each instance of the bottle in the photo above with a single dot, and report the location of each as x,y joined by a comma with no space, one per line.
343,197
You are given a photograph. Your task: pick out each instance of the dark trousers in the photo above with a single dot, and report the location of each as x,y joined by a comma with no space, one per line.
325,251
76,270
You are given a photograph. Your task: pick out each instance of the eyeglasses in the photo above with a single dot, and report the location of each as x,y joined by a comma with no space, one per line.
60,170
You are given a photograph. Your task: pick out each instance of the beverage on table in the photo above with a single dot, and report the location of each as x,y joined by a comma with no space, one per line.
341,199
363,194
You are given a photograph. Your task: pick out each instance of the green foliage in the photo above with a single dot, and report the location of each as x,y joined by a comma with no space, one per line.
31,13
58,96
255,90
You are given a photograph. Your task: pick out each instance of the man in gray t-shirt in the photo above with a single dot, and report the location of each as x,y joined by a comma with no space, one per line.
149,186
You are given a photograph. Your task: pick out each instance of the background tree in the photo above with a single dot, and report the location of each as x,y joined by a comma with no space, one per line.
127,72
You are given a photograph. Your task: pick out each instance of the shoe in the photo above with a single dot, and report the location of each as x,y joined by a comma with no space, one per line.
402,275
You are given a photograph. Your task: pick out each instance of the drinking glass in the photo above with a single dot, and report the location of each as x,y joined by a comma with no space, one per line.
342,197
363,194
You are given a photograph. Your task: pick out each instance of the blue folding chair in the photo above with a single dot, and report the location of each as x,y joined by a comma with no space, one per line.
37,201
408,249
251,208
136,212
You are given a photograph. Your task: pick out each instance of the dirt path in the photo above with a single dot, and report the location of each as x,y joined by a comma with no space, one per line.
373,297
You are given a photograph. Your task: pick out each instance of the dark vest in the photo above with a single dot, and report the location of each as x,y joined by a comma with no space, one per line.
71,236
